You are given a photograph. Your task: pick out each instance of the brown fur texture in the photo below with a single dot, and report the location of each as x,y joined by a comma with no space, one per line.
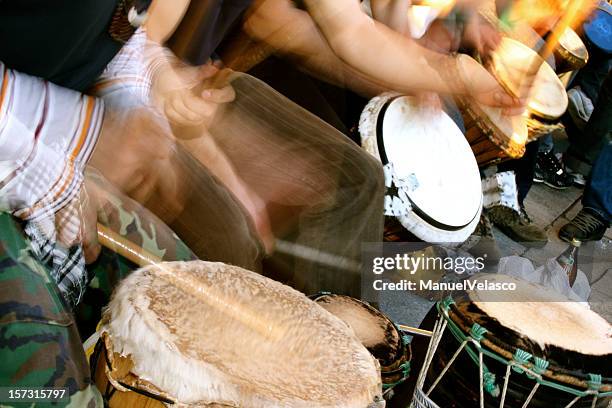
209,333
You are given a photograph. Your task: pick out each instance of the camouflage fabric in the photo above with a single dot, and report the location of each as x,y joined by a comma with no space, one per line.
40,345
139,226
39,342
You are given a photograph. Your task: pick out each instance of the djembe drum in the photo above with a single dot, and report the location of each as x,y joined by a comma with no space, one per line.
547,98
433,183
492,135
533,348
570,53
377,333
203,334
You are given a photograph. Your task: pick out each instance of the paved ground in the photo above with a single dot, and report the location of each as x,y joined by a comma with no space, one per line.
550,209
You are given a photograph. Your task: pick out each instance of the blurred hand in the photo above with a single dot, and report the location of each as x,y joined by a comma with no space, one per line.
190,96
129,149
76,224
480,35
485,89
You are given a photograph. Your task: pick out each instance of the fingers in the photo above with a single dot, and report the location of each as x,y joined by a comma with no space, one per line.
222,95
188,109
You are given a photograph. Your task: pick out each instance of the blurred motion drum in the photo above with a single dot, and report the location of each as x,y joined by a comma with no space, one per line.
571,53
432,178
203,334
528,347
547,98
377,333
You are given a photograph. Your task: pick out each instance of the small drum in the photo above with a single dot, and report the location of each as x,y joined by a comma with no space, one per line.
432,178
533,349
203,334
547,99
571,53
598,30
377,333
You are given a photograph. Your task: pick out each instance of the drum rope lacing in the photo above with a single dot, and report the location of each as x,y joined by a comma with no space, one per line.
520,363
404,368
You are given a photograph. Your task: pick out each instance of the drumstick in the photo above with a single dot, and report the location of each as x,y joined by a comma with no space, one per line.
414,330
213,298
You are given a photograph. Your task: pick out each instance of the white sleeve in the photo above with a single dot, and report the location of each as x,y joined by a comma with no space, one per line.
47,134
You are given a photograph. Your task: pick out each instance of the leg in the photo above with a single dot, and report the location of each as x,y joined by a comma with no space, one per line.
39,341
524,170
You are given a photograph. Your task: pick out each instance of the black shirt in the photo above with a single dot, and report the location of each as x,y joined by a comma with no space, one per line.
204,26
64,41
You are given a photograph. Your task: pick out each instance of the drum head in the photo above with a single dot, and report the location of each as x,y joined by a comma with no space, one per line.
572,43
209,333
546,317
376,332
511,61
430,153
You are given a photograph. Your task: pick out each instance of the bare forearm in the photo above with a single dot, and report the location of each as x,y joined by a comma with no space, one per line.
293,34
378,51
392,13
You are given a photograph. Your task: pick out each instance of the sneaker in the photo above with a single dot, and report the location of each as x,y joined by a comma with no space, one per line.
577,178
518,226
587,225
550,171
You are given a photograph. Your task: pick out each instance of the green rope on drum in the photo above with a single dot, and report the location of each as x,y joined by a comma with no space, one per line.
519,360
539,367
490,384
594,382
477,332
519,363
446,303
405,369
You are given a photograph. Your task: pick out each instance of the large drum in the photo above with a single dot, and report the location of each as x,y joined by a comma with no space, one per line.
202,334
570,53
547,98
377,333
533,348
432,177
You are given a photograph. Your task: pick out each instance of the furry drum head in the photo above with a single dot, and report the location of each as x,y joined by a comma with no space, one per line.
209,334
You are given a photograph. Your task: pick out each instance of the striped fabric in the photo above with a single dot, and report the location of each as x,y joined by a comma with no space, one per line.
127,80
47,135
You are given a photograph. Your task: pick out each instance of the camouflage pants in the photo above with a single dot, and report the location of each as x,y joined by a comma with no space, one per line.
39,341
40,345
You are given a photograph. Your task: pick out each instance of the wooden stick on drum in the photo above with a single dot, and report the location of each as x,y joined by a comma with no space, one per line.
212,297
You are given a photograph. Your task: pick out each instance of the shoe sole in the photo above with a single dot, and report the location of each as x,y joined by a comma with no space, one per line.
550,185
556,187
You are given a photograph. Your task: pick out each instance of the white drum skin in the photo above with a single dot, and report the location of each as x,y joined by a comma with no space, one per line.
431,155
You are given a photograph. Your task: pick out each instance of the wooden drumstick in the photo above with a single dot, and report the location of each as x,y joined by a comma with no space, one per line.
415,330
141,257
